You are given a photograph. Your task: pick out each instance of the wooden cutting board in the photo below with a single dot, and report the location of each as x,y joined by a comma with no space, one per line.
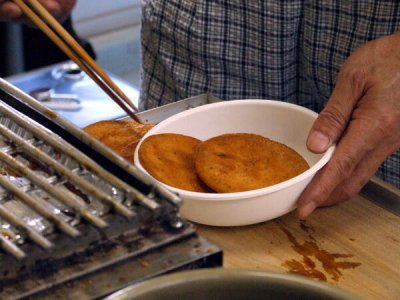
354,246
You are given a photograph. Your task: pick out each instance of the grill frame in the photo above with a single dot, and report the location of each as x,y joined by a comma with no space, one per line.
150,218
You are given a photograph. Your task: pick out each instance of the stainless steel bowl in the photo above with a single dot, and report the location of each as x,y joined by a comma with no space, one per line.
224,284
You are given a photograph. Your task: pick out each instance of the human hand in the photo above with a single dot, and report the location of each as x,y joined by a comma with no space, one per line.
60,9
363,117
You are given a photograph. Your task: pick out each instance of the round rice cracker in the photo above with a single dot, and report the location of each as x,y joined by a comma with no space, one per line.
169,158
121,136
242,162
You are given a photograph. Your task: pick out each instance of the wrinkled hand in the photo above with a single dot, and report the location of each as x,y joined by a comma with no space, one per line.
60,9
363,117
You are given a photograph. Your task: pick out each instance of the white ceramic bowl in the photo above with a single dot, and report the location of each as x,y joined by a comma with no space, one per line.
280,121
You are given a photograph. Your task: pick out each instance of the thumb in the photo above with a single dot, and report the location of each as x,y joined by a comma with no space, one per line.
333,119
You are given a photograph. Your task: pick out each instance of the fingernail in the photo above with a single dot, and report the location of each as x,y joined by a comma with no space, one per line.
318,142
306,210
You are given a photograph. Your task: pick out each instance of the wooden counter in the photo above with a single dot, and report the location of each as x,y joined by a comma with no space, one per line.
354,246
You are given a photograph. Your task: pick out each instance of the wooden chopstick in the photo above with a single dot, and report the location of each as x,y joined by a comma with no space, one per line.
55,31
57,27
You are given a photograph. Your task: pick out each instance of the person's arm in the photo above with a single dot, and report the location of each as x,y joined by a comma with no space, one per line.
363,117
60,9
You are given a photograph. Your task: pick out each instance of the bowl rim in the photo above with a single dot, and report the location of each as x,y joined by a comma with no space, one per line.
189,276
245,194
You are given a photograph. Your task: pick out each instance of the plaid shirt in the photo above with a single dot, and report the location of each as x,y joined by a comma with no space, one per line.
239,49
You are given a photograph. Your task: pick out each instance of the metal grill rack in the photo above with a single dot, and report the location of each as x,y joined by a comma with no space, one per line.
71,210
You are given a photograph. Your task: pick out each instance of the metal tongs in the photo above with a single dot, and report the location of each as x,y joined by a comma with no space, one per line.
57,101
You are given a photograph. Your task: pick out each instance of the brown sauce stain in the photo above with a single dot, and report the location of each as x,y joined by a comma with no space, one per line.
310,250
77,192
8,171
144,264
305,227
6,234
50,114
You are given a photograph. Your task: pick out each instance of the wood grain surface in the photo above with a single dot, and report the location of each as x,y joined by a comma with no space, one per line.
354,246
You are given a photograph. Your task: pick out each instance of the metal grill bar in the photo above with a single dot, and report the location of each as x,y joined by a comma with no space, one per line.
67,173
51,190
45,161
33,235
64,226
27,142
98,146
11,248
60,144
